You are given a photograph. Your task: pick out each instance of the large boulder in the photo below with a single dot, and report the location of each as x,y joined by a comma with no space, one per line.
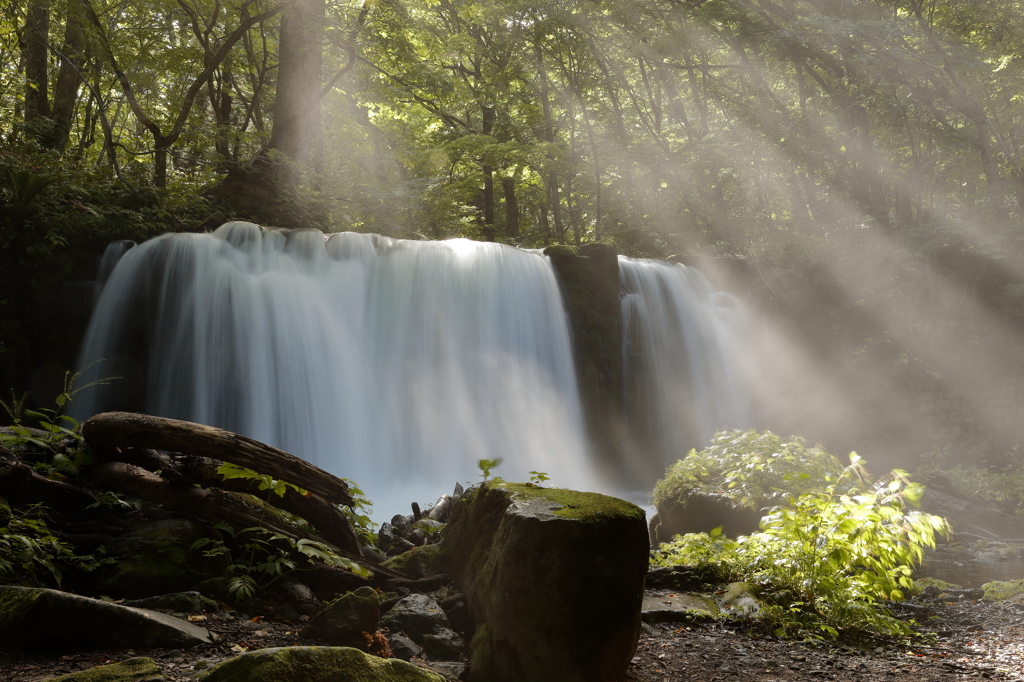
425,622
553,578
316,664
33,618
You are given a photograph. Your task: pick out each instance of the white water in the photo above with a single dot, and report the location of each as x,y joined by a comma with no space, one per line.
395,364
679,359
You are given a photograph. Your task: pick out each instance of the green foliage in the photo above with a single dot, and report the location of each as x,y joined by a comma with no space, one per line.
486,465
359,515
272,485
999,487
57,435
750,468
267,556
825,562
27,547
538,477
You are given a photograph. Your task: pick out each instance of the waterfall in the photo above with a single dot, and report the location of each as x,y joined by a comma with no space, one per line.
392,363
400,364
679,360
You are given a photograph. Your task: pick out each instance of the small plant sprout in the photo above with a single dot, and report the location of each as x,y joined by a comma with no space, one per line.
538,477
485,466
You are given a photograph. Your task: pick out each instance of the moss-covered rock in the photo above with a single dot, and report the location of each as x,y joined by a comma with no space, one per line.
418,562
344,621
554,579
316,664
132,670
1003,590
32,618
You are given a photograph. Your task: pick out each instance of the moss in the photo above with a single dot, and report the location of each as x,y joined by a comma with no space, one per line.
5,512
14,603
418,562
1001,590
316,664
585,507
132,670
564,250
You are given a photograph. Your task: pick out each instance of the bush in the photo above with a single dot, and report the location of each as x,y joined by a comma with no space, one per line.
825,563
750,468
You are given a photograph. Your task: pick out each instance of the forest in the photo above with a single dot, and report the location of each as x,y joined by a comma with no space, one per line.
863,160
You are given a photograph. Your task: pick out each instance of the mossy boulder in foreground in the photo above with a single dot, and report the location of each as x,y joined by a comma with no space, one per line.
316,664
554,580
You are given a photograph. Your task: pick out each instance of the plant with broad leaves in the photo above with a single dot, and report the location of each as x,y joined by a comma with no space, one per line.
538,477
486,465
826,561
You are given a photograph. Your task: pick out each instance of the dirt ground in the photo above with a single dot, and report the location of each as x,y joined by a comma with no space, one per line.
975,639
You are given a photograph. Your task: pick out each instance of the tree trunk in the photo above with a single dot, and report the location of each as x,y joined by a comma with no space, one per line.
508,187
296,131
113,430
69,81
37,28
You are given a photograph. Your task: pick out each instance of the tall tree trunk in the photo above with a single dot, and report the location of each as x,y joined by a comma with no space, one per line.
33,41
508,186
296,132
69,81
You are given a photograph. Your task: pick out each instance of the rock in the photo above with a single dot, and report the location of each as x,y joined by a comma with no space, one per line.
699,512
540,567
132,670
403,647
186,602
452,670
33,618
5,513
344,622
316,664
154,559
441,510
444,645
674,578
740,598
416,615
678,608
418,562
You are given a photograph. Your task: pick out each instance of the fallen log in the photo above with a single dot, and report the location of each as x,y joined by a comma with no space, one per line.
109,431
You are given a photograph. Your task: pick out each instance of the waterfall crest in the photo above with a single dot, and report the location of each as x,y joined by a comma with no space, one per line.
396,364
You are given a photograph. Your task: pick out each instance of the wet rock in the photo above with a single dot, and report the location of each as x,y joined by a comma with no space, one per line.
403,647
33,618
441,510
444,645
343,622
316,664
132,670
416,615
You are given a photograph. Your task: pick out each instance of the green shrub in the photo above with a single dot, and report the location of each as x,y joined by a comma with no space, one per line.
750,468
825,563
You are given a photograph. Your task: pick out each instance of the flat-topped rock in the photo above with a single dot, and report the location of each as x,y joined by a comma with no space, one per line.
36,618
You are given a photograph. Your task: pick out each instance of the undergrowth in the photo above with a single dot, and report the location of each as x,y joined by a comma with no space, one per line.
826,560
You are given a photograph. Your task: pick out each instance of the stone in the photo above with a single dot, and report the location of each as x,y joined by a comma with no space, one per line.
698,512
344,621
403,647
443,645
539,567
418,562
185,602
452,670
132,670
35,618
416,615
153,559
678,607
316,664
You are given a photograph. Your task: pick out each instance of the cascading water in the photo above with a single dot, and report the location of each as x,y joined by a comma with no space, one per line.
396,364
679,359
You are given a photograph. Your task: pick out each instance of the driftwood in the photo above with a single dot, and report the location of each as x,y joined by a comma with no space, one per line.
108,432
